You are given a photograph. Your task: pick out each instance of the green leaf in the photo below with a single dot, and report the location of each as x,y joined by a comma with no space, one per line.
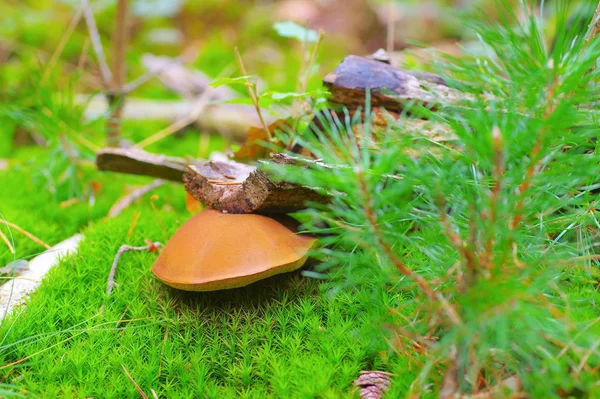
295,31
229,81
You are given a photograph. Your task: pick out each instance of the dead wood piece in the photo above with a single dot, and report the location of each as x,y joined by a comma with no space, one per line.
390,87
138,162
110,281
373,384
237,188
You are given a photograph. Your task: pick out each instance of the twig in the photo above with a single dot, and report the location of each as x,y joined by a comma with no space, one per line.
142,394
594,27
83,56
110,282
137,82
535,160
105,72
26,233
126,200
116,96
251,88
5,239
586,357
391,25
63,42
398,263
311,62
199,106
455,239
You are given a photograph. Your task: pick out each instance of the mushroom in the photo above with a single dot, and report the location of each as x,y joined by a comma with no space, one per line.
214,251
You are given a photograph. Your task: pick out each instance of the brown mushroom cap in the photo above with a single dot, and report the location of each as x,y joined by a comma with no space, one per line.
214,251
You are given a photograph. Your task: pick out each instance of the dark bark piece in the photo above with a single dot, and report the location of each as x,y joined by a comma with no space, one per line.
390,87
238,188
139,162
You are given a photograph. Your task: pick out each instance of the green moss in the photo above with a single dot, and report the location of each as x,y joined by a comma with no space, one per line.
282,337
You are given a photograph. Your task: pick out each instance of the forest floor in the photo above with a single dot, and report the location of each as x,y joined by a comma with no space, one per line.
287,336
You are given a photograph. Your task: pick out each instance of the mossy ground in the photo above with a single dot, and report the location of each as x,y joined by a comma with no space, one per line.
287,336
283,337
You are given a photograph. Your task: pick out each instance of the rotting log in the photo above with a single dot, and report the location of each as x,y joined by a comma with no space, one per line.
238,188
390,87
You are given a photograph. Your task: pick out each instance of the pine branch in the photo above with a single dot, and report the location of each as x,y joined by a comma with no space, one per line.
426,289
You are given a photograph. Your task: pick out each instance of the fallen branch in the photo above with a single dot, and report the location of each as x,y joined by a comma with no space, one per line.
110,282
139,162
124,202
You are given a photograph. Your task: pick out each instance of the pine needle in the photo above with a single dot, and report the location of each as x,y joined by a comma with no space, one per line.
26,233
142,394
5,239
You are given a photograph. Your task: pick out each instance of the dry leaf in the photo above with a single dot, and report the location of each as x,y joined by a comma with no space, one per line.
254,146
192,204
152,247
96,186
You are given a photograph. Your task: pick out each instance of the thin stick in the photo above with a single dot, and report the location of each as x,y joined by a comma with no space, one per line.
83,56
142,394
594,27
5,239
391,27
116,98
125,201
199,106
587,355
251,88
105,72
137,82
110,282
63,42
26,233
